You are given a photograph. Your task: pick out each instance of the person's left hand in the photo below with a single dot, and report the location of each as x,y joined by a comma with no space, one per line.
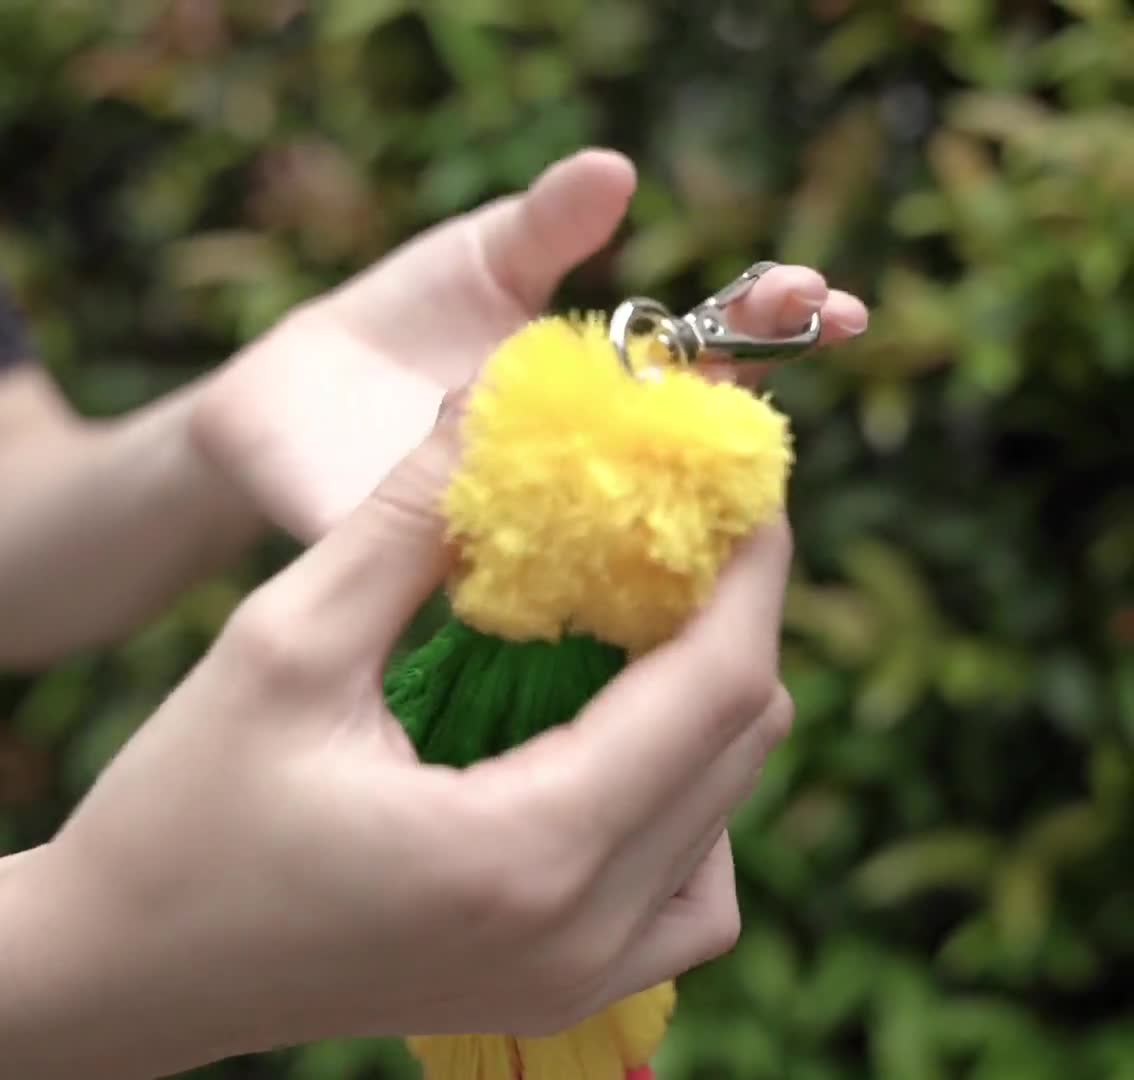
308,419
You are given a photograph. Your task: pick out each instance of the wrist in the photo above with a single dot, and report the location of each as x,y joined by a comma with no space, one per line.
230,518
181,486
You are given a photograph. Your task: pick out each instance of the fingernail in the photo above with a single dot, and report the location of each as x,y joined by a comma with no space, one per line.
853,325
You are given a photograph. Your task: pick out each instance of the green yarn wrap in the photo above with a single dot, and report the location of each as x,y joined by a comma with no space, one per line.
464,696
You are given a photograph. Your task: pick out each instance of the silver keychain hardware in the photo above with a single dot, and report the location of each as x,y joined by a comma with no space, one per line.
704,331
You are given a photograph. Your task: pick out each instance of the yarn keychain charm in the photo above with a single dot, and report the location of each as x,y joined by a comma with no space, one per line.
603,484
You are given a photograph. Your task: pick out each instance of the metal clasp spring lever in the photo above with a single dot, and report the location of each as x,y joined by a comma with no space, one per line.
703,331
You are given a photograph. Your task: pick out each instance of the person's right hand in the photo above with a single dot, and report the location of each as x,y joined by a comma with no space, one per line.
267,863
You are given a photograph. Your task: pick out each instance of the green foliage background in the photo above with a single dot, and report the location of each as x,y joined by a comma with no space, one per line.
937,870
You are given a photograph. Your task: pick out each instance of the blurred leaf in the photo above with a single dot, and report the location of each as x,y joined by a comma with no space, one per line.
970,950
904,1041
1112,774
1069,961
841,170
949,859
55,705
972,672
452,184
816,691
894,684
212,258
841,619
1021,906
470,53
1067,689
656,252
816,818
888,576
971,1023
956,16
338,1058
767,969
101,738
346,19
1065,835
887,413
857,43
845,978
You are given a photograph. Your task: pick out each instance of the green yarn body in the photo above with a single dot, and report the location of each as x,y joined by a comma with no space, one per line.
465,696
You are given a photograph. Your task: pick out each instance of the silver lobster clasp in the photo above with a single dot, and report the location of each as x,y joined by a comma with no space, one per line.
704,330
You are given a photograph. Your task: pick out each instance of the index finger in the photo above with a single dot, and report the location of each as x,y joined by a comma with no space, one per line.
652,732
779,304
784,299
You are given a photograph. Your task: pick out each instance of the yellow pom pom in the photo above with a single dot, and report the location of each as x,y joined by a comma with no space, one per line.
591,501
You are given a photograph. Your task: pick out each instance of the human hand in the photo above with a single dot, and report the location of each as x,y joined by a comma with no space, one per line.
309,419
267,863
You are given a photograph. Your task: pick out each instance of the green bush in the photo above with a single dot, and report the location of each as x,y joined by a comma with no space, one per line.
936,871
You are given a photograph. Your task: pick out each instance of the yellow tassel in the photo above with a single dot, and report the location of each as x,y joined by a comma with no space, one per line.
603,1047
639,1022
467,1057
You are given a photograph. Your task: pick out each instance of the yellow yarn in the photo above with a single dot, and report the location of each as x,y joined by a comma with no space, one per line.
594,502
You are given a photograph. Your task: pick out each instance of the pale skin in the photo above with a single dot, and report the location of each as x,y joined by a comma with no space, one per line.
266,862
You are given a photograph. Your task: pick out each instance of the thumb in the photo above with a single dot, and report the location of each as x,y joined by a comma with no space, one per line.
530,241
354,592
